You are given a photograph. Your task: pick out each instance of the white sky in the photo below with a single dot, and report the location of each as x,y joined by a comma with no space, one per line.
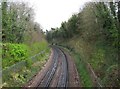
50,13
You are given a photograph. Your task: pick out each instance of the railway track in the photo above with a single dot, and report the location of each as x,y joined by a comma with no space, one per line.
61,59
63,82
59,71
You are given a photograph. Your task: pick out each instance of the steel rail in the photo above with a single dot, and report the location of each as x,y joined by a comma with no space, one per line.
51,71
63,78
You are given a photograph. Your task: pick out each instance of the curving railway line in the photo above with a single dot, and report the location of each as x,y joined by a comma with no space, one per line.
49,75
56,73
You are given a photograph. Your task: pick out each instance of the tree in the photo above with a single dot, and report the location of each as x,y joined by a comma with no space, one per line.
16,19
72,24
119,12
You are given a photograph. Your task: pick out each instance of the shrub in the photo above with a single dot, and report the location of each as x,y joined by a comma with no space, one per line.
13,53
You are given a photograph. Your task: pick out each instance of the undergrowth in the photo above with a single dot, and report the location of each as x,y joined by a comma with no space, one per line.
21,62
23,75
102,57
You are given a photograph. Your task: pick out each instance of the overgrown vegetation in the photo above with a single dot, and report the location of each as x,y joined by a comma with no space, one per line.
22,40
93,34
13,53
22,72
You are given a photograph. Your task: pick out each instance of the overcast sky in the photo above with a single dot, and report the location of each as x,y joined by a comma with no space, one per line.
50,13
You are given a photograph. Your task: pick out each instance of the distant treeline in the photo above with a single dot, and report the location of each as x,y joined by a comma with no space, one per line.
96,20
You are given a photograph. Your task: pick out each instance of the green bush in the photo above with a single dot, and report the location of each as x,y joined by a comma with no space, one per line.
13,53
98,58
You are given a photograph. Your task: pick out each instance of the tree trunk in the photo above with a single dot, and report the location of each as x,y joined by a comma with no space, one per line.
119,12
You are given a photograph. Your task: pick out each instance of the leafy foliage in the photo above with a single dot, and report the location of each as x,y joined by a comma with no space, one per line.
13,53
18,77
17,22
99,55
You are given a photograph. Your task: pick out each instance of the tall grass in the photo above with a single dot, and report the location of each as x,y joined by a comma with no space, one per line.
82,70
37,47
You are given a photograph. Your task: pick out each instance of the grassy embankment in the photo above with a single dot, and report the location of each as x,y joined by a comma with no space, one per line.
84,76
18,66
